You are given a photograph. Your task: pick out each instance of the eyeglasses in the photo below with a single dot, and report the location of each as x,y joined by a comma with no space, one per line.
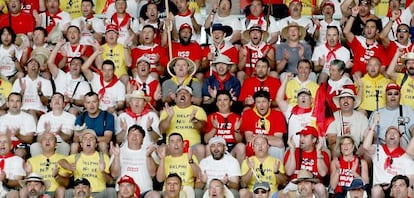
260,191
262,123
47,163
393,93
403,31
261,169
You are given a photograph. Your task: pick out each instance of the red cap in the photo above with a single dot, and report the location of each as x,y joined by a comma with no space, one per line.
392,85
308,130
185,25
329,3
111,27
130,180
294,1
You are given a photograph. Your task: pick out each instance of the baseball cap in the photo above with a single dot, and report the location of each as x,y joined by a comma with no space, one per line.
392,85
308,130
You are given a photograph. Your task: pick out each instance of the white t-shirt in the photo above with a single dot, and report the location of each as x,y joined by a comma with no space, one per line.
112,94
66,85
324,27
124,30
354,126
296,123
399,166
31,99
179,20
142,121
65,122
232,21
217,169
13,166
132,9
22,121
321,51
86,36
7,66
62,21
134,164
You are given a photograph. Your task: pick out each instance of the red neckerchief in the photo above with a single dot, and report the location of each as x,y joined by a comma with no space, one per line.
102,91
296,110
259,18
187,13
52,17
124,20
221,82
90,16
108,2
3,159
331,54
136,115
397,152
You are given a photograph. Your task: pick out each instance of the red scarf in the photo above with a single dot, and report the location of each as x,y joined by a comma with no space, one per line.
102,91
331,54
3,159
90,16
260,18
136,116
296,110
108,2
391,154
187,13
124,21
221,82
52,18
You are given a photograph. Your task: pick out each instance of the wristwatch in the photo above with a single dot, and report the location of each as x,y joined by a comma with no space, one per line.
191,161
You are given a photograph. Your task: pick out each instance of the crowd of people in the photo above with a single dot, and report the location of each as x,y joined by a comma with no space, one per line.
125,98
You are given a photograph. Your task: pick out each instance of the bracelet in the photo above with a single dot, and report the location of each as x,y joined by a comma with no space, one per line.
276,172
213,11
150,129
14,59
353,16
320,157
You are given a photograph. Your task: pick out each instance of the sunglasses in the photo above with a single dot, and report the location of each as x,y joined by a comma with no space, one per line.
403,31
260,191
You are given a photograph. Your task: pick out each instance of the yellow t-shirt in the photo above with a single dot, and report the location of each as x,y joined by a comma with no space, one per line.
407,91
87,167
368,99
382,8
73,7
181,123
293,87
267,167
5,87
41,166
306,6
115,54
180,166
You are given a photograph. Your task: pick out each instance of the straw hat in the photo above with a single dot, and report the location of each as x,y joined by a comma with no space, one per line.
347,93
305,175
285,30
34,177
192,68
406,57
138,94
255,27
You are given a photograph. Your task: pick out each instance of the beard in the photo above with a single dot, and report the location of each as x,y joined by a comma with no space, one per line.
185,42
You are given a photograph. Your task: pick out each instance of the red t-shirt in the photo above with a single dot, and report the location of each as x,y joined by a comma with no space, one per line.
253,84
345,172
228,49
192,51
226,127
307,161
270,124
363,52
29,6
151,53
21,24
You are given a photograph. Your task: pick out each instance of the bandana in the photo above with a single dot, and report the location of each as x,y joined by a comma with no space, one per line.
398,152
221,82
136,116
260,18
102,91
296,110
331,54
52,18
187,13
124,21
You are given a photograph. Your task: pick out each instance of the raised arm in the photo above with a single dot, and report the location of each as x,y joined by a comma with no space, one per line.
349,36
87,64
391,68
386,30
280,96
